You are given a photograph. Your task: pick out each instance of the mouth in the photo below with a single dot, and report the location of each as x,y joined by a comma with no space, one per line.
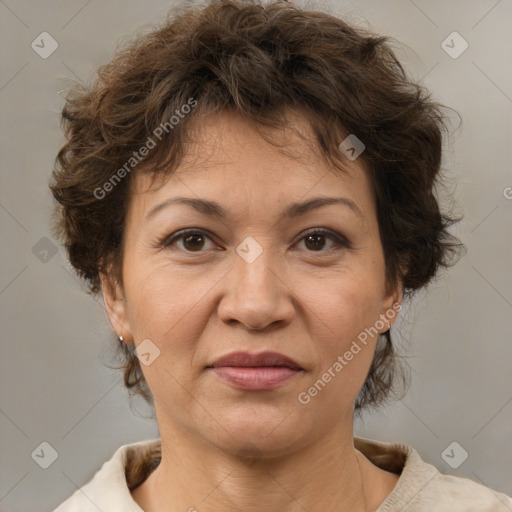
256,372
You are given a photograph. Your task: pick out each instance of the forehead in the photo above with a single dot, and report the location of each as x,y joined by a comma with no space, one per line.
227,158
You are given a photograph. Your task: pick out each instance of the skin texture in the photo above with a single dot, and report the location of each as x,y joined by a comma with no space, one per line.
200,300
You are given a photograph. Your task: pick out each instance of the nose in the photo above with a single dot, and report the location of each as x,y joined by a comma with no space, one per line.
256,294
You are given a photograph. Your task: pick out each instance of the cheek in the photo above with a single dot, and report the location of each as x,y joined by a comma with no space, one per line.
164,310
349,309
166,305
153,294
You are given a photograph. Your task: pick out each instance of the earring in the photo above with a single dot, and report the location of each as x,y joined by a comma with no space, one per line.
120,338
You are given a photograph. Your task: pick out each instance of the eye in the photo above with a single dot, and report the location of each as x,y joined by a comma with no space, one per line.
315,240
190,240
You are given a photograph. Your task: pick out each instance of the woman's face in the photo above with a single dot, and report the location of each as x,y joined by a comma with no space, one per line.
276,272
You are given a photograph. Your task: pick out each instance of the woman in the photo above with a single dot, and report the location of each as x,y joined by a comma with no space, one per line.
251,188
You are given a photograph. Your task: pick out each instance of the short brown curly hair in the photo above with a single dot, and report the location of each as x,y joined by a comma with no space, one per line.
257,60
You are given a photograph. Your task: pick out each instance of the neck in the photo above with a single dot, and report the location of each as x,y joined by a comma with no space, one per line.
328,474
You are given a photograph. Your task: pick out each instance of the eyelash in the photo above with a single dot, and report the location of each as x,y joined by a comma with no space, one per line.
339,240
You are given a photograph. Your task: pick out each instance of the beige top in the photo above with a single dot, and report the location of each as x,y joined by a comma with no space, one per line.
420,488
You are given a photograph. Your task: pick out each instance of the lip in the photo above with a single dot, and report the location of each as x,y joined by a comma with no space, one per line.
264,371
263,359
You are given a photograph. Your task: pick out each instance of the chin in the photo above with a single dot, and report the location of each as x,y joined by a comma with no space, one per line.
265,431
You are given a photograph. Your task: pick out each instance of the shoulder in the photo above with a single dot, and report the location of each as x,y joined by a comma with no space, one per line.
457,494
422,488
465,495
109,489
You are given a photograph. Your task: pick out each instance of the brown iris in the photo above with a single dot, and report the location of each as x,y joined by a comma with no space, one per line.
190,241
318,241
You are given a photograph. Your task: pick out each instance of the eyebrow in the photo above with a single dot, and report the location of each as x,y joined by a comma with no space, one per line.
214,209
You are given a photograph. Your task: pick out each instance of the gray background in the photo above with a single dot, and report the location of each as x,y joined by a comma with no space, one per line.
56,340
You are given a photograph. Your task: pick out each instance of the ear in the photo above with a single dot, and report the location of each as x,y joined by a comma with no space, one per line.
115,304
391,305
